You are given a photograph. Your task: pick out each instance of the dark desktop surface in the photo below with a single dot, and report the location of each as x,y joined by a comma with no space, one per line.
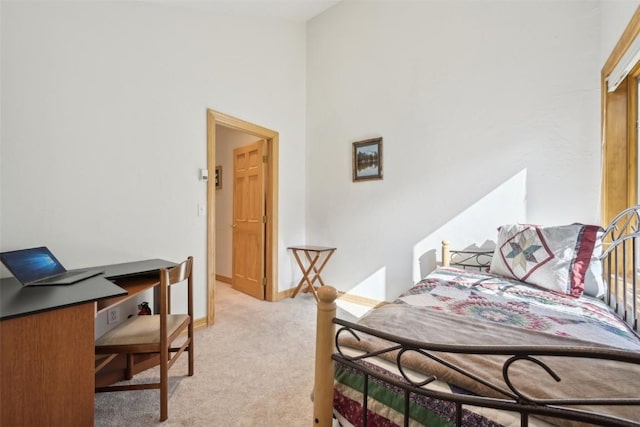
18,300
129,269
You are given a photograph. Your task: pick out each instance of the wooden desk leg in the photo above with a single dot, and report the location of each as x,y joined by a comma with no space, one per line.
305,272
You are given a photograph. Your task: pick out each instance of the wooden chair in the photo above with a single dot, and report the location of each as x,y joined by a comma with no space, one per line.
153,335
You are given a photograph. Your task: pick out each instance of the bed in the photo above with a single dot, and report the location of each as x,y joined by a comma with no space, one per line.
540,331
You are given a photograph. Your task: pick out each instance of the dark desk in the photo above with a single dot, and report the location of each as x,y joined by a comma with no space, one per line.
47,357
17,300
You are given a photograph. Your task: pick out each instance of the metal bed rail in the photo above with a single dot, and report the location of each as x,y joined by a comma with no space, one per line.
479,259
620,265
511,398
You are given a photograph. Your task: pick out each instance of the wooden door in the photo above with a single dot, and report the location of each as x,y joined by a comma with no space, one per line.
249,219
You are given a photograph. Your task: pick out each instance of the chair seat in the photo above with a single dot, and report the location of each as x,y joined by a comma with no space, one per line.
139,330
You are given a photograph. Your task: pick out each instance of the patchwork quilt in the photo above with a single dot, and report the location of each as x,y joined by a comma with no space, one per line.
453,306
491,298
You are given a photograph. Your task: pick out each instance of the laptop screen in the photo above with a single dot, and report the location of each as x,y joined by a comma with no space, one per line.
32,264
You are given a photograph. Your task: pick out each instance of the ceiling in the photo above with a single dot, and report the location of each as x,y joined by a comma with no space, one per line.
293,10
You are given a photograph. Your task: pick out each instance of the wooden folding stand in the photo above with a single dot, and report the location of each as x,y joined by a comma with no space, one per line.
316,259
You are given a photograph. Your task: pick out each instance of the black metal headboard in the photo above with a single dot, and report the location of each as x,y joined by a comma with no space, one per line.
467,258
620,265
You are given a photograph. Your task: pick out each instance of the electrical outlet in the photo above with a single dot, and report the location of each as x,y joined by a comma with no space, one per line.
113,315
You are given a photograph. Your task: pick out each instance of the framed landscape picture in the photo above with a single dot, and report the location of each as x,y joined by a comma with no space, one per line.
367,159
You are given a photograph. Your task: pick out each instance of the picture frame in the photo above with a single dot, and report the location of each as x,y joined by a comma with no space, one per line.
367,159
218,177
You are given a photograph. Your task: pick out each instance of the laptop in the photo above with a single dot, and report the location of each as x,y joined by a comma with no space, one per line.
38,266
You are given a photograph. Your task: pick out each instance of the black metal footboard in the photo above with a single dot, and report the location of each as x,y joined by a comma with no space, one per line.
509,397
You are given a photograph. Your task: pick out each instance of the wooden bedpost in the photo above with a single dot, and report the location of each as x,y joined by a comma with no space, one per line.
323,380
446,255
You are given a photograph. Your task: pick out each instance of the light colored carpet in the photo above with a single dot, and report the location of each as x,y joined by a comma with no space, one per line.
253,367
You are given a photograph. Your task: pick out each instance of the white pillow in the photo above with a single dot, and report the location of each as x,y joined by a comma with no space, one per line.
557,258
594,285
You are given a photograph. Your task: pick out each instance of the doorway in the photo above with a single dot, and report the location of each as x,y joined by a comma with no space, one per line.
215,118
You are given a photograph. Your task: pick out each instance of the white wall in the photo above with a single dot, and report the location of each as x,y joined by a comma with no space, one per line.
104,125
490,113
615,16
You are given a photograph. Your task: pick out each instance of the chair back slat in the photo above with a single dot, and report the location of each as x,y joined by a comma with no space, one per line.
174,275
180,272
